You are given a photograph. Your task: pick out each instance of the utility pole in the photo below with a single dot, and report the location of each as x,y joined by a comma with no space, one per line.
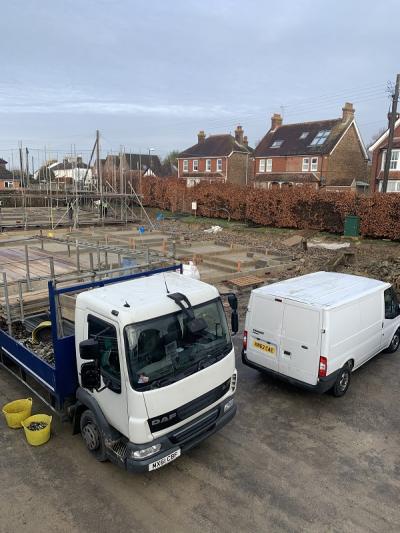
21,165
99,176
392,121
27,167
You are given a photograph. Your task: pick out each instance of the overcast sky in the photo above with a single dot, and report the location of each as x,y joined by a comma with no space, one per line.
152,73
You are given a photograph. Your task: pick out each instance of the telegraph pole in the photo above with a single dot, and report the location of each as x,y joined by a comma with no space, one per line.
99,176
392,121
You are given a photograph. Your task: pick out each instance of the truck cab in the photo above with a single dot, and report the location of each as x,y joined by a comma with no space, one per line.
156,368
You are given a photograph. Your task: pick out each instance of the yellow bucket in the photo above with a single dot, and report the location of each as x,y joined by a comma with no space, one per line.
16,411
40,436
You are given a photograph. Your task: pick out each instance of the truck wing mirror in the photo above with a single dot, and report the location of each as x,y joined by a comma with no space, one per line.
234,322
232,299
90,376
89,349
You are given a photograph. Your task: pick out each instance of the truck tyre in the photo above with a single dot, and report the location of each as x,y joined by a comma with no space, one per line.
394,343
92,435
342,382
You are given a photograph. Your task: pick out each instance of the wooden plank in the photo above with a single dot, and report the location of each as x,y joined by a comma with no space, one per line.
245,281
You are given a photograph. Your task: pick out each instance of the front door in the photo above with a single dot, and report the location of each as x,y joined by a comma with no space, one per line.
112,399
300,344
392,317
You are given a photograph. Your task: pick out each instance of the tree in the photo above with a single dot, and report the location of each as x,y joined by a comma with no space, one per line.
376,136
171,157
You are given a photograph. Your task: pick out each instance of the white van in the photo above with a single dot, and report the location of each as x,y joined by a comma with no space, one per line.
314,330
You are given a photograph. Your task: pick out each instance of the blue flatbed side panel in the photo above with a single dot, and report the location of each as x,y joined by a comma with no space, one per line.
29,361
66,372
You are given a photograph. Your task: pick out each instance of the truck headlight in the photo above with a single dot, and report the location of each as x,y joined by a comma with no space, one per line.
228,405
146,452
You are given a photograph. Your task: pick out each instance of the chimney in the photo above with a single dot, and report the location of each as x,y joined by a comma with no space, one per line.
245,141
348,112
239,134
201,136
276,121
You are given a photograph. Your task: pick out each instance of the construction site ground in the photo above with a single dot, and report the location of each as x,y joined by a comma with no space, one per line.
291,460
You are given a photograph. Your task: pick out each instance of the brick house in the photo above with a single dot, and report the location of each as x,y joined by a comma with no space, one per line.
223,158
7,178
324,153
378,151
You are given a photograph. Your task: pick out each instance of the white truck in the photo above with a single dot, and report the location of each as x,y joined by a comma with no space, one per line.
148,369
314,330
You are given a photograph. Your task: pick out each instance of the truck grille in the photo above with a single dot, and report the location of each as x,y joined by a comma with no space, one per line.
190,431
185,411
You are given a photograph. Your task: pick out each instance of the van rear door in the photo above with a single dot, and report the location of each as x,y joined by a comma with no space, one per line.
264,330
300,342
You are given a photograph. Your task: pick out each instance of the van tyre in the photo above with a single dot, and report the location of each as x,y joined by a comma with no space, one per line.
92,435
342,382
394,343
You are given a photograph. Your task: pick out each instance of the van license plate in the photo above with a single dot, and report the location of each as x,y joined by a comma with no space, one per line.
265,347
165,460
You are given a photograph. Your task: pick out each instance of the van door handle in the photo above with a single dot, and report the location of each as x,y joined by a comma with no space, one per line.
286,352
305,347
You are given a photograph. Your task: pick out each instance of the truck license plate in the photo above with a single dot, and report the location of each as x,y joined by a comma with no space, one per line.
265,347
165,460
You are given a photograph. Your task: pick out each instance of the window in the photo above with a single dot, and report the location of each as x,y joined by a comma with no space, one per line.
8,184
269,165
261,166
392,186
394,160
306,164
304,135
314,164
185,165
208,165
391,304
320,138
163,350
276,144
195,165
219,165
106,335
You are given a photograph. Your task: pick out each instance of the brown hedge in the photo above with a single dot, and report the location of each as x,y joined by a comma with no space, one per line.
299,207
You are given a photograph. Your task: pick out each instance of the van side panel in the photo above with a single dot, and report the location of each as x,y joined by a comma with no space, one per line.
300,342
263,325
354,332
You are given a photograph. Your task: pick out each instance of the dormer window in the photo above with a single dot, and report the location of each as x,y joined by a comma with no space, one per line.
304,135
320,138
276,144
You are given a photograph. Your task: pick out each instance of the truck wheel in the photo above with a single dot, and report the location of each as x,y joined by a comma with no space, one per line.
92,435
394,343
342,382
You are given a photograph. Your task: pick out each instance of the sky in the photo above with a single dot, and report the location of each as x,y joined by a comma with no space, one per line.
151,74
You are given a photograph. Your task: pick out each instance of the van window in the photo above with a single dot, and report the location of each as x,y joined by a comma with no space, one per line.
301,324
391,304
106,335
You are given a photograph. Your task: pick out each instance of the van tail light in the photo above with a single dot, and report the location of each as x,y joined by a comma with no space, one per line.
323,367
245,340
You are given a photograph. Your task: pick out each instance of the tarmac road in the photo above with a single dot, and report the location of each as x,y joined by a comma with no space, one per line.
290,461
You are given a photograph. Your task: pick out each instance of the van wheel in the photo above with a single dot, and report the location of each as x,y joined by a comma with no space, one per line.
394,343
342,382
92,436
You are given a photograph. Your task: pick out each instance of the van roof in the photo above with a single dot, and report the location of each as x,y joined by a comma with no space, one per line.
323,289
147,296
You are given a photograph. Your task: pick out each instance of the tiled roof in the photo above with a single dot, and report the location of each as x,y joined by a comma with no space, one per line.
5,174
293,144
214,146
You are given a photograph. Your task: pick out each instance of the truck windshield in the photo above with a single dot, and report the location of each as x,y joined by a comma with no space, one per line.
163,350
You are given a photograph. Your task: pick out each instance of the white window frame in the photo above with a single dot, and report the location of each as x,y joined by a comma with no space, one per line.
219,165
8,184
195,165
208,165
394,160
261,165
314,164
268,167
185,165
305,167
393,186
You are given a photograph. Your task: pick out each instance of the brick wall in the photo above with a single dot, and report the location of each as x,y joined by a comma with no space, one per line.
347,162
237,164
